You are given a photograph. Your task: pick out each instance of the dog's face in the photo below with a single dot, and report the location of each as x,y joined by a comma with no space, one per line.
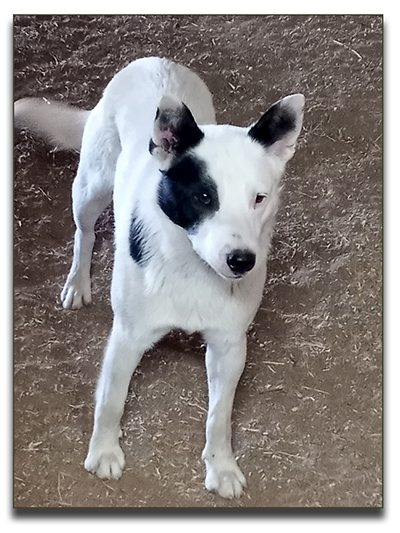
220,183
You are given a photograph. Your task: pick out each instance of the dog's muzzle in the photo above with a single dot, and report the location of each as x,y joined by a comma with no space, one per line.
240,261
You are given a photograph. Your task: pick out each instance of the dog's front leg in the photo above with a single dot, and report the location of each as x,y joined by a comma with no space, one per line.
225,359
123,353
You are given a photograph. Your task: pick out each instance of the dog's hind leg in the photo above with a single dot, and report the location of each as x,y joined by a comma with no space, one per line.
225,359
77,290
91,194
123,353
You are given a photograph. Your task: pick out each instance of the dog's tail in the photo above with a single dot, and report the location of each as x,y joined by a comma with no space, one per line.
59,124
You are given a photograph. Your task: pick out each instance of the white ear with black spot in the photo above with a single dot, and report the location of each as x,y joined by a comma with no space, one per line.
278,129
175,129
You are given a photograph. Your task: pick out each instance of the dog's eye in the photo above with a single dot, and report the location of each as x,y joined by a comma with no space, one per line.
203,198
260,198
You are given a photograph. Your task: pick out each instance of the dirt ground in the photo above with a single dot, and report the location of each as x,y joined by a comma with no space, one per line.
307,423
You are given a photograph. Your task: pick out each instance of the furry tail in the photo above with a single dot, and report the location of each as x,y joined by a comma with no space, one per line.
59,124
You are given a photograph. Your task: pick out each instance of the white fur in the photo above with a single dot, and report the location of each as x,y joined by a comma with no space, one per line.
187,283
60,124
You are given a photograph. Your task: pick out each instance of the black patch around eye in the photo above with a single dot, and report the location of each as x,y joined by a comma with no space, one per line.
138,237
186,194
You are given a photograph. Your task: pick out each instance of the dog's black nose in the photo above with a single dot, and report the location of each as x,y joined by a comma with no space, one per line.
241,261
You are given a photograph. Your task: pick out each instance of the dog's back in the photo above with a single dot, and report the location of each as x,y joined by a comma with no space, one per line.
132,97
133,108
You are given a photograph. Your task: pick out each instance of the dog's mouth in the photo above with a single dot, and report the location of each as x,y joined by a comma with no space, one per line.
231,277
228,273
230,263
222,273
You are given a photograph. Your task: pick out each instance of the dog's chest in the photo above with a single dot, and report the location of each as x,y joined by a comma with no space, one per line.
189,296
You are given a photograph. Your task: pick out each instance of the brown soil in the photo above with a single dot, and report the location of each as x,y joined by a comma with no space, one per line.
307,424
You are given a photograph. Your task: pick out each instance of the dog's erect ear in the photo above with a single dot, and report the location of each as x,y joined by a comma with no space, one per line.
278,129
175,129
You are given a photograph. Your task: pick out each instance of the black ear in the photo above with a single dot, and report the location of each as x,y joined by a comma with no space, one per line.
278,129
175,129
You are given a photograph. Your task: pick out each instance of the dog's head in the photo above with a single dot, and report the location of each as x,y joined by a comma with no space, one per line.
220,183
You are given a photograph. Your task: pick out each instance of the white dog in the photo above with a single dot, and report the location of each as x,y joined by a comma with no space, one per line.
194,207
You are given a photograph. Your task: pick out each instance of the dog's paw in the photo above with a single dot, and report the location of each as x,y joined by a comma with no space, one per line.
76,293
225,478
107,462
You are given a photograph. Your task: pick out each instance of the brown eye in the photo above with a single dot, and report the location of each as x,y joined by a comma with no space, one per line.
203,198
261,197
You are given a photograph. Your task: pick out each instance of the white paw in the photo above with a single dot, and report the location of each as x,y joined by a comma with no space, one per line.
225,478
107,462
75,293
